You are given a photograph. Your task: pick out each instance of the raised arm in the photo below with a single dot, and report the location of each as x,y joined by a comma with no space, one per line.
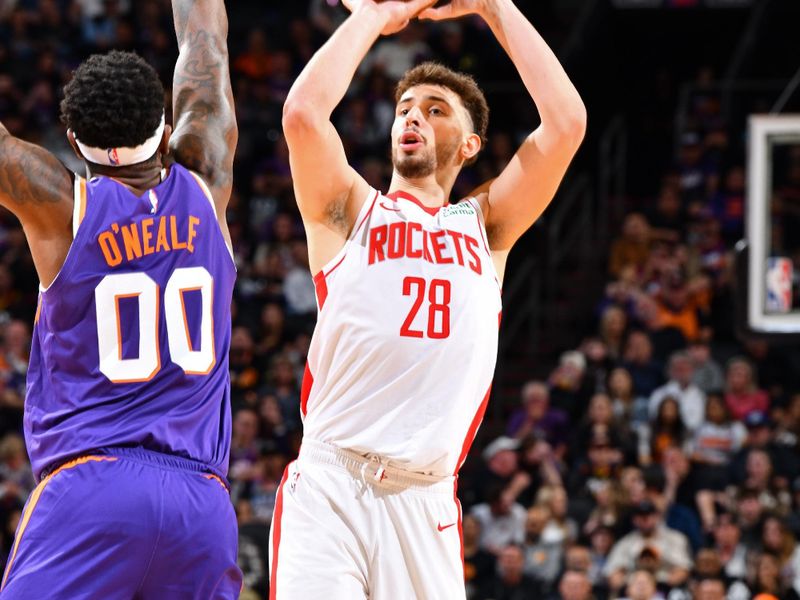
205,133
516,198
37,188
329,192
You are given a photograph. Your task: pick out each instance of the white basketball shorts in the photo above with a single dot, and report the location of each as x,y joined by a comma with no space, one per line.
347,527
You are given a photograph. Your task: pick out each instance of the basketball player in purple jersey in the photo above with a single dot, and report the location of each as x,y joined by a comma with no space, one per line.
127,417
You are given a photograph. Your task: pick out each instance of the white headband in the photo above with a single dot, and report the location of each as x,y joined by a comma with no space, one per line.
122,157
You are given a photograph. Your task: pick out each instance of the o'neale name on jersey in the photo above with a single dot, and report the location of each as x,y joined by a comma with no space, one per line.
148,236
411,240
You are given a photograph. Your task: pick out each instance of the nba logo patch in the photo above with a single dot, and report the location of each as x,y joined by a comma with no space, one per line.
113,157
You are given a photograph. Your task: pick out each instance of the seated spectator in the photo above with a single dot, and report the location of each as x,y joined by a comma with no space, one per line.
669,549
574,585
632,247
714,444
510,582
642,586
778,540
601,463
710,589
613,324
639,362
680,305
767,581
538,466
732,553
690,398
666,431
245,446
599,419
627,406
499,468
569,388
536,417
601,539
741,392
502,521
479,565
16,476
707,374
542,556
560,529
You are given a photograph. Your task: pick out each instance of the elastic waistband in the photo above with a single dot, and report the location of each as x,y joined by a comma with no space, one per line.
151,457
373,470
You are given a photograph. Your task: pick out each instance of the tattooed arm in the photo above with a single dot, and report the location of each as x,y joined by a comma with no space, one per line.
205,121
37,188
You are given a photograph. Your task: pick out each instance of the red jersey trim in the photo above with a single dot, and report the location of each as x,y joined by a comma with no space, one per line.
473,429
305,390
428,209
276,536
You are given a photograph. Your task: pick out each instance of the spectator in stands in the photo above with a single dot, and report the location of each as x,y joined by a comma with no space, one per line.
641,586
667,430
639,362
727,544
245,445
681,307
632,248
560,528
727,205
627,407
691,399
599,419
707,374
501,519
613,324
511,582
574,585
16,476
778,540
568,386
542,556
479,565
741,391
710,589
714,444
536,417
601,539
670,550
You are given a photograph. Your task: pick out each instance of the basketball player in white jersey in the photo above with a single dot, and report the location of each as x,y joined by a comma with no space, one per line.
408,289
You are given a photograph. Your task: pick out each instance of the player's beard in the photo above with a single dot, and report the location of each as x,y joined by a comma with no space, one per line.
415,166
425,163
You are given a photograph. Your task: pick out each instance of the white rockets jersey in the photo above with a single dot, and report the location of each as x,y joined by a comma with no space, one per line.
404,351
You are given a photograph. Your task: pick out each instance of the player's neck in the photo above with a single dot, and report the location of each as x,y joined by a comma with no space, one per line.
138,178
428,190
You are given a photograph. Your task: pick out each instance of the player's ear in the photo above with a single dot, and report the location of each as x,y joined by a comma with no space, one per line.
163,147
470,147
71,140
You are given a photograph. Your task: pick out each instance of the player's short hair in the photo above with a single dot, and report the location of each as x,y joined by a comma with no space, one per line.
463,85
113,100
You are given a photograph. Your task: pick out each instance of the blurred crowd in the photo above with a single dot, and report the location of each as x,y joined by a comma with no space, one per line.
658,460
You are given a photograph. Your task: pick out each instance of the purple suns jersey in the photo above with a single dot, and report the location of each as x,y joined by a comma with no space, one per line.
130,345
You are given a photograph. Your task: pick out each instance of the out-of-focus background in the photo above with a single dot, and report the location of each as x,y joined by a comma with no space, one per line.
626,398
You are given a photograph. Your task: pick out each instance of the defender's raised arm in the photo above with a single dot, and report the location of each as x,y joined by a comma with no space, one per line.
328,190
205,119
527,185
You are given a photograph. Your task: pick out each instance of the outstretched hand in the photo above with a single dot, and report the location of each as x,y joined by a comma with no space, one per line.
454,9
397,12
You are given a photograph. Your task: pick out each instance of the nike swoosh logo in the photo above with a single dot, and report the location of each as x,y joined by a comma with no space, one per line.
443,527
389,207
